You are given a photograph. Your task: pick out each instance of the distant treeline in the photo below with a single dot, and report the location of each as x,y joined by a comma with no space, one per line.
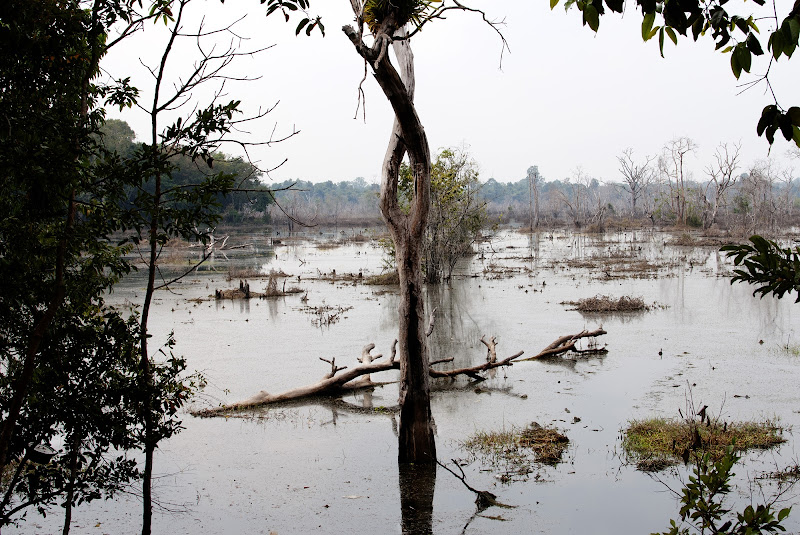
757,201
654,191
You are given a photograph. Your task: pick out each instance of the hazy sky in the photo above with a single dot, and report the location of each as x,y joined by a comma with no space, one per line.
564,98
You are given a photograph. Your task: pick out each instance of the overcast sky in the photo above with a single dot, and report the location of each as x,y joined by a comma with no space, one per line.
565,98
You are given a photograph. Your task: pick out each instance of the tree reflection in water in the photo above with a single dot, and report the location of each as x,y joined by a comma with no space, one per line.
417,484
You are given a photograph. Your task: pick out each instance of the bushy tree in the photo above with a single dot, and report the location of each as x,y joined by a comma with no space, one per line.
456,214
75,372
703,508
60,198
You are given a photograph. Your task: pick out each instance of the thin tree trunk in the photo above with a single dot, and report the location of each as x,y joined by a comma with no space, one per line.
530,201
73,472
146,372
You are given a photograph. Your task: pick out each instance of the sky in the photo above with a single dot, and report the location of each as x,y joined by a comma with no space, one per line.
564,98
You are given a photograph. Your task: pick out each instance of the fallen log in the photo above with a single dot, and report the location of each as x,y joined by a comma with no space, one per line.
342,379
566,343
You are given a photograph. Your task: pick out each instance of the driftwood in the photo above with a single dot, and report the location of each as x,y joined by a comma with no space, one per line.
342,379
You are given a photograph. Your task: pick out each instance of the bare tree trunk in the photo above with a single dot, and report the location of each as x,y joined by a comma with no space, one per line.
416,441
530,200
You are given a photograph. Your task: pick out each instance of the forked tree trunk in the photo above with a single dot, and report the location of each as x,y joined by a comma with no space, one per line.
416,441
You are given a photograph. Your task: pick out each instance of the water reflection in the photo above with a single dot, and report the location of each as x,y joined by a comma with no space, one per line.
417,484
608,317
571,362
455,329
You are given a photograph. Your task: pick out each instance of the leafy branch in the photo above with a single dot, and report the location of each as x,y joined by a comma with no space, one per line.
775,269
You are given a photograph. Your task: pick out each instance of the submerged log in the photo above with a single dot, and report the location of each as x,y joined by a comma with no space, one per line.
342,379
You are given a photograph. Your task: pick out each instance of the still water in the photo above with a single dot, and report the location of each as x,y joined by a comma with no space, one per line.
326,468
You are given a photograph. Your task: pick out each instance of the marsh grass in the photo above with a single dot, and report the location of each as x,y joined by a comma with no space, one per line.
657,443
517,450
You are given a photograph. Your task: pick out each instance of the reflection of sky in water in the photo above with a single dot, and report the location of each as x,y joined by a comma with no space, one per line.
310,469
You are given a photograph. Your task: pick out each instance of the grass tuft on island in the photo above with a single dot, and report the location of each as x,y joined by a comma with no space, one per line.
658,443
517,449
606,303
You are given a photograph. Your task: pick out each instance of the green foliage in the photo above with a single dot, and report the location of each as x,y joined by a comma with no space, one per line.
298,6
72,372
60,349
775,270
673,18
703,503
404,11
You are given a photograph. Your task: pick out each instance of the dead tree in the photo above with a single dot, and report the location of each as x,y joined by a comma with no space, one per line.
636,176
342,379
722,176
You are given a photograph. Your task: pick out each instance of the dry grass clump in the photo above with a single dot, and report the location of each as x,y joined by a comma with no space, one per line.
519,448
390,278
244,273
684,239
658,442
547,443
606,303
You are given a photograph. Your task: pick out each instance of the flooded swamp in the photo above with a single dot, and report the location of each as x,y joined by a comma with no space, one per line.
329,466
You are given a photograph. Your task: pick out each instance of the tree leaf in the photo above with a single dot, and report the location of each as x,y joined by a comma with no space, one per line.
754,45
785,124
767,118
776,41
647,25
794,29
661,41
735,66
553,3
301,26
743,57
771,129
591,17
697,27
671,34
